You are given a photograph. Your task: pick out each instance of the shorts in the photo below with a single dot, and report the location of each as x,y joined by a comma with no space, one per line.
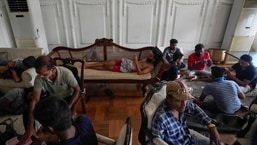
124,65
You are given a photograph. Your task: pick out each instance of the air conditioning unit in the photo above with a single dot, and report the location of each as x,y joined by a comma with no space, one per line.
27,23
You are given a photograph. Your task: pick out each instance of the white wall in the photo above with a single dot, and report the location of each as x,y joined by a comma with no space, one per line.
254,46
6,36
241,30
136,23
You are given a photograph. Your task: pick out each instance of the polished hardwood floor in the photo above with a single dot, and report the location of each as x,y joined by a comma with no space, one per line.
108,114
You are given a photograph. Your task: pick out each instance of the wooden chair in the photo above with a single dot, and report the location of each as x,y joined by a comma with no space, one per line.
79,65
124,138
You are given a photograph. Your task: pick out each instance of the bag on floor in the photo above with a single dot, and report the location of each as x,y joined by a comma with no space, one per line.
9,132
248,133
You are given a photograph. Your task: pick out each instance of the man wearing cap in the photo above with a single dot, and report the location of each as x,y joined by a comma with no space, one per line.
14,68
246,73
169,120
226,94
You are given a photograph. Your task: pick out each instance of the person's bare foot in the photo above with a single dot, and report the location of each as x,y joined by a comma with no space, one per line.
194,78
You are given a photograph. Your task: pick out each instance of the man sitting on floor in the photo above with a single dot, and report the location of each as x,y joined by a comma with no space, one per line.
169,51
226,94
174,72
246,73
198,62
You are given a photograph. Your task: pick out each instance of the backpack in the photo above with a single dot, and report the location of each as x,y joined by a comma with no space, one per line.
74,71
9,132
248,133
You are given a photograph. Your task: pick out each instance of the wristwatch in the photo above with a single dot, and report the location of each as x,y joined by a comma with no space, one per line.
211,125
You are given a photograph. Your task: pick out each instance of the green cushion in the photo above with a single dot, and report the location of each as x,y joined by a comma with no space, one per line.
3,58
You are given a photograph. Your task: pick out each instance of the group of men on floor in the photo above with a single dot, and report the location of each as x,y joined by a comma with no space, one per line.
243,72
168,122
228,86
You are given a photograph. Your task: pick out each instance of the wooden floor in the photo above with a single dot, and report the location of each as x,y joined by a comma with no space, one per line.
108,114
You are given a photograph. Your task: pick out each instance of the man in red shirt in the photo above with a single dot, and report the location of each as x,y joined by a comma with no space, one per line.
199,61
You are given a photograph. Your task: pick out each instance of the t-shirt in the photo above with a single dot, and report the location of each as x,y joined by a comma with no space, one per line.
17,98
61,87
250,73
85,133
225,94
168,53
193,59
171,74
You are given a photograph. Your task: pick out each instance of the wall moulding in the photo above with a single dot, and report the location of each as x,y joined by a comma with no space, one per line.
226,2
189,2
54,3
137,2
48,2
141,2
105,3
90,2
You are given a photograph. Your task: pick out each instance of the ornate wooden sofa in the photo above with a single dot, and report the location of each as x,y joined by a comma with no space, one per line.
106,49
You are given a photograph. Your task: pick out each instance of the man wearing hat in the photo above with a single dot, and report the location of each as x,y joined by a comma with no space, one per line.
14,68
169,120
226,94
246,73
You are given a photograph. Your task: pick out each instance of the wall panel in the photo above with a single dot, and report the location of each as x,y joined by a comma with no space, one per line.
91,19
215,27
184,21
53,13
138,22
6,37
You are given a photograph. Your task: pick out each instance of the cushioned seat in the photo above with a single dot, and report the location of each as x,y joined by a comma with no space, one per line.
153,99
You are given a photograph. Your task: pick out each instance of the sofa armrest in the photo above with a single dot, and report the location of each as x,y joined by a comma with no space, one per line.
28,77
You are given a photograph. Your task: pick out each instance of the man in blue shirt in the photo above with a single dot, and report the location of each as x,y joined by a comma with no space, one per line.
169,122
226,94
